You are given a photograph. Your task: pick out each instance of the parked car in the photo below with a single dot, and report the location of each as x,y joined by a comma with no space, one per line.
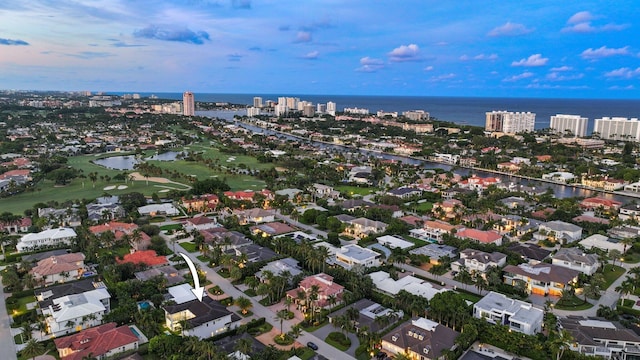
312,346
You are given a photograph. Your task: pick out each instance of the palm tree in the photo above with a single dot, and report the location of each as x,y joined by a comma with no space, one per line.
614,255
33,349
561,341
243,346
626,242
282,315
625,288
296,330
244,304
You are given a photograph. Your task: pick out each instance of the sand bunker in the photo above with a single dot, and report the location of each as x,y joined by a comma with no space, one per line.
110,187
164,190
122,187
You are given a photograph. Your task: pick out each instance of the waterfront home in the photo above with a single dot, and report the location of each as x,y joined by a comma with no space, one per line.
595,203
518,315
559,176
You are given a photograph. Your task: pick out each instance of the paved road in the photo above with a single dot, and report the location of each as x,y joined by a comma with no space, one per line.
300,225
6,339
259,311
442,279
324,331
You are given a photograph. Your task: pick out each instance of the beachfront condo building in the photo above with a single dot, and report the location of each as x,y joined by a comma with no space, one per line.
188,104
617,128
573,125
510,122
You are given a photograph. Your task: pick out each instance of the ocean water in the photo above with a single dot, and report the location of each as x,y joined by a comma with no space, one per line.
460,110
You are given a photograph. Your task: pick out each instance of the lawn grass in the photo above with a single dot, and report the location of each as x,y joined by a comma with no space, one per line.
305,353
469,296
422,207
573,304
355,190
171,227
631,258
312,328
339,341
611,273
189,246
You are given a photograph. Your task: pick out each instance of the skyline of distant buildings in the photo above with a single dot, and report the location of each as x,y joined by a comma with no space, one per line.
509,122
572,124
188,104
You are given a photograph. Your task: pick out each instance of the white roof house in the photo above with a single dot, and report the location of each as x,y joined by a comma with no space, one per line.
559,176
71,313
520,316
158,209
601,242
351,255
394,242
410,284
51,237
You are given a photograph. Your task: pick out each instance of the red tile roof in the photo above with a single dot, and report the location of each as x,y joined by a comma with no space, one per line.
486,237
58,264
113,227
95,341
147,257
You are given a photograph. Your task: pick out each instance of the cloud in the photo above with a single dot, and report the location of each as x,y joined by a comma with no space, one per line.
403,53
87,55
241,4
313,55
616,87
580,22
172,33
580,17
234,57
603,51
442,77
510,29
625,73
479,57
557,76
368,64
302,37
562,68
13,42
524,75
533,60
428,68
121,44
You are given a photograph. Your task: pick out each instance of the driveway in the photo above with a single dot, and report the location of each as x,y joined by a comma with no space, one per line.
324,331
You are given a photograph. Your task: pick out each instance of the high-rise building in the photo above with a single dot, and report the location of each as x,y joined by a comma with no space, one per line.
510,122
188,104
257,102
617,128
308,110
253,111
281,108
331,108
569,124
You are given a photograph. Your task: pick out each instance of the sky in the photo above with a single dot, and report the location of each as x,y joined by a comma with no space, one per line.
480,48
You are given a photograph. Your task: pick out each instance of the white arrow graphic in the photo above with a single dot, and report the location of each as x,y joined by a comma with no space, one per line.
197,290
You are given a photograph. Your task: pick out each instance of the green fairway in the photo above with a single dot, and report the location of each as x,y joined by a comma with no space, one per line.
79,188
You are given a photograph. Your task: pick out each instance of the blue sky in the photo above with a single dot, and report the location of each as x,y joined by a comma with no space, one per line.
574,49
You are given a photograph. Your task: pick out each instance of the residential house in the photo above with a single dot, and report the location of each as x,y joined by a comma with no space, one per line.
531,253
481,236
479,261
363,227
433,230
139,240
59,268
601,338
629,211
200,223
603,243
352,255
100,342
542,278
559,231
478,184
436,252
158,210
394,242
559,176
47,238
404,192
202,203
576,259
324,191
449,209
220,236
203,319
168,273
600,203
16,226
74,306
272,229
280,266
509,167
420,338
255,216
369,314
515,202
328,291
518,315
411,284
